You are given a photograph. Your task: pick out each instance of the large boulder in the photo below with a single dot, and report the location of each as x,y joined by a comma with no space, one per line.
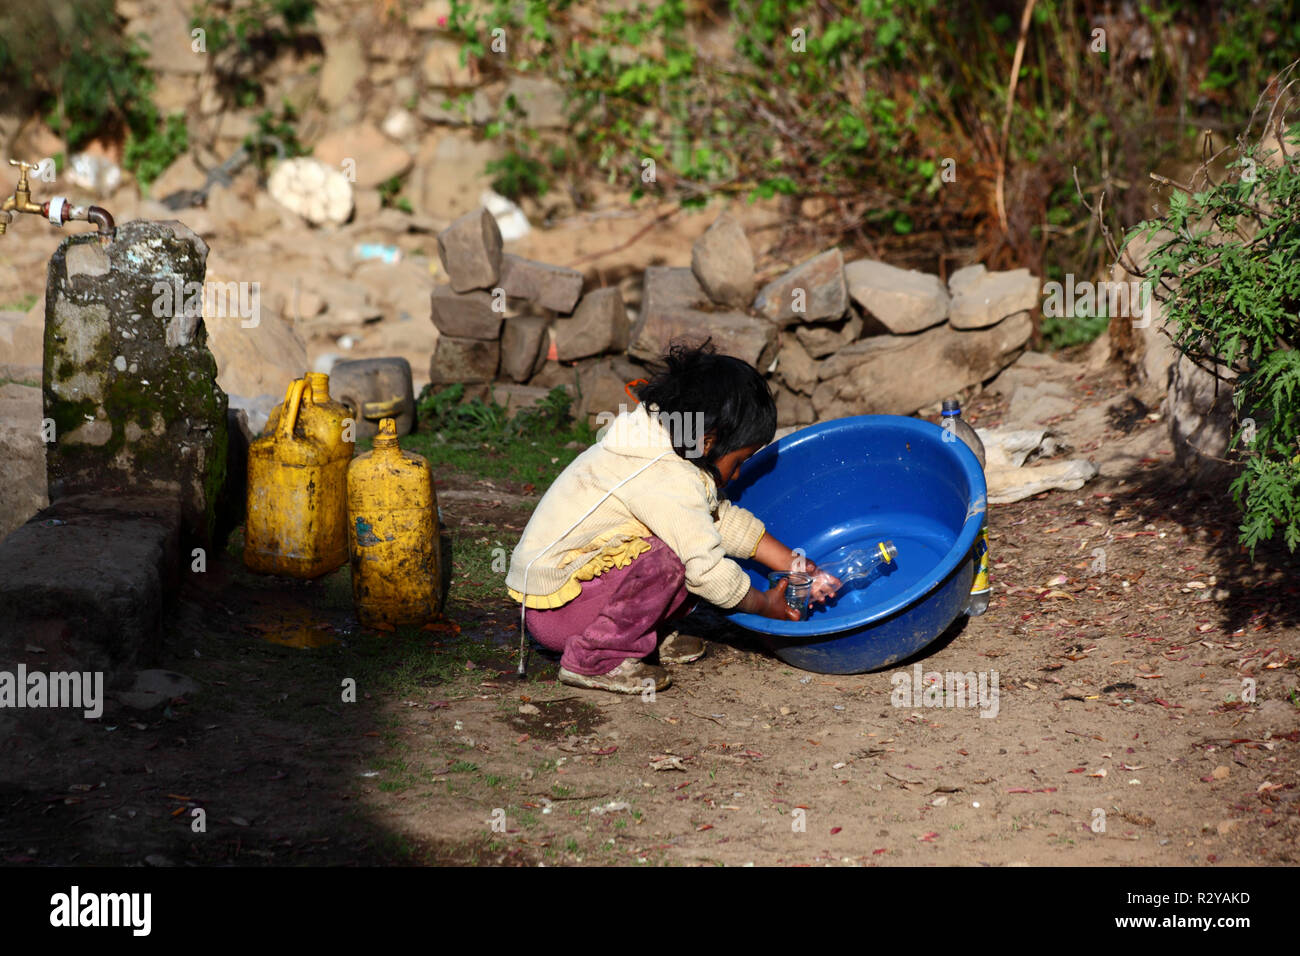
1202,417
539,283
599,325
900,301
675,308
811,292
1143,344
981,298
365,152
723,263
896,375
470,250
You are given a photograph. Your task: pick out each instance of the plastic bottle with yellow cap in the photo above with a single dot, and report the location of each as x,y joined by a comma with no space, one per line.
393,535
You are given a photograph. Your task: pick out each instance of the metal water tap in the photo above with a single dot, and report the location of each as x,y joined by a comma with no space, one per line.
57,210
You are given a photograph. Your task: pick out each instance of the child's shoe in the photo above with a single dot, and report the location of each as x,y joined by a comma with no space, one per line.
679,648
627,678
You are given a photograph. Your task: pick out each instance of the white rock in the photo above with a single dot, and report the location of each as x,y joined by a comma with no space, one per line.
510,218
315,191
399,124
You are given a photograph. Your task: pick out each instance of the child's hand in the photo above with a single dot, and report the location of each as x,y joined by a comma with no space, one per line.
824,586
775,606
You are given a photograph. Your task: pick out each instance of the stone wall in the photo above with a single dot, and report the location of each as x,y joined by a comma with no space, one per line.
835,339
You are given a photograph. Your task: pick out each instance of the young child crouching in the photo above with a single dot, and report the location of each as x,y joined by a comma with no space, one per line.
634,528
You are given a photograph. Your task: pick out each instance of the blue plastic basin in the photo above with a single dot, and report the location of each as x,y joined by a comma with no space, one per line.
847,484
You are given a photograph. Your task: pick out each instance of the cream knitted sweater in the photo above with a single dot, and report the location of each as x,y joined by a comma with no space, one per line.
655,492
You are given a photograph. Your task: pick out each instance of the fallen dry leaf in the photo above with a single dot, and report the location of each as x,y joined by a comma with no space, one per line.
667,762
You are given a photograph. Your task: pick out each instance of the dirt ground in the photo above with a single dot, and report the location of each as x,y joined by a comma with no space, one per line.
1121,736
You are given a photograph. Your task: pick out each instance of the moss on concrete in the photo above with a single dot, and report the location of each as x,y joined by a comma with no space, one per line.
129,375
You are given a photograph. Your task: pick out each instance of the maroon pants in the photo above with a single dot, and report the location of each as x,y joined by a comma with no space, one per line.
619,614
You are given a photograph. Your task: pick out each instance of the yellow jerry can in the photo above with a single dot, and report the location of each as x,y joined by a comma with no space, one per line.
329,420
393,534
295,494
330,423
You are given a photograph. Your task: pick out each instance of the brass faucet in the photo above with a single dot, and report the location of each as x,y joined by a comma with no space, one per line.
58,210
21,200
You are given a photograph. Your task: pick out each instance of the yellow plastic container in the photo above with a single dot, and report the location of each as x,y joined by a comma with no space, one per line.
330,423
393,534
321,416
295,491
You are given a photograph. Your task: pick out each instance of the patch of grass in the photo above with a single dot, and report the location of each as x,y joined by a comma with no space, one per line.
396,846
462,766
1066,331
20,305
19,381
478,569
408,660
478,438
334,591
388,191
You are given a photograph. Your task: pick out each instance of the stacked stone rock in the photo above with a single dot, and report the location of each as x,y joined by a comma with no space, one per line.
919,340
500,317
835,339
852,339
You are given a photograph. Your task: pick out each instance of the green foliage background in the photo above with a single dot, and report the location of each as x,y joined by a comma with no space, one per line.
1227,264
883,91
69,59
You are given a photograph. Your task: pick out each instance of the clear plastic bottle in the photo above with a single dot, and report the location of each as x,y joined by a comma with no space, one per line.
952,421
860,565
980,589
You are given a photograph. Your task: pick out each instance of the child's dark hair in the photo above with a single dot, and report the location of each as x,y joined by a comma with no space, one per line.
734,401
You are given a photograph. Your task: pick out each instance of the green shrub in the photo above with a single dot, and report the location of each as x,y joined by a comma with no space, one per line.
149,155
1229,278
863,115
70,60
274,137
244,36
516,175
